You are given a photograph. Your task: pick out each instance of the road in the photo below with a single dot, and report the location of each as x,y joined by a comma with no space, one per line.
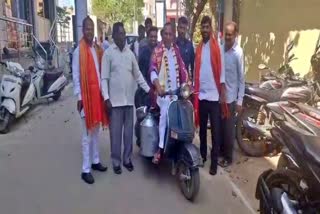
40,162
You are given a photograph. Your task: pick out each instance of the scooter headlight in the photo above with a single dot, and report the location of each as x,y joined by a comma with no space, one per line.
185,91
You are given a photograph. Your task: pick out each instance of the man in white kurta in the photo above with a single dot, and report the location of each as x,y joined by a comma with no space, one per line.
89,138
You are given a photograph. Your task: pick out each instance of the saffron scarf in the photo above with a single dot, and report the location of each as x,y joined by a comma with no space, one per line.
93,104
215,57
156,62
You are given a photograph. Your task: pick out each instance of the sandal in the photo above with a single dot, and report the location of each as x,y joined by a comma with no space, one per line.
156,157
224,163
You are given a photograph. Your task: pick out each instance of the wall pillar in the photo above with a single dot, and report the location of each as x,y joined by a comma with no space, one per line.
81,13
228,11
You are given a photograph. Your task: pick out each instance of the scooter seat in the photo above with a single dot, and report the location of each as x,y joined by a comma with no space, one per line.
52,75
26,80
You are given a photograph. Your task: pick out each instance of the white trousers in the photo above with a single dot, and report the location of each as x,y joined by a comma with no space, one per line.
90,148
163,103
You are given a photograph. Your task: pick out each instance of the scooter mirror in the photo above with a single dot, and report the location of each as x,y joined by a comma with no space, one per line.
262,67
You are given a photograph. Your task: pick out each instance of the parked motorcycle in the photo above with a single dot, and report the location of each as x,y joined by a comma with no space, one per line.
49,83
184,155
260,112
16,94
294,187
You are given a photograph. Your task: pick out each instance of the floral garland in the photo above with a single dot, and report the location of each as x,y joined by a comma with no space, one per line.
166,69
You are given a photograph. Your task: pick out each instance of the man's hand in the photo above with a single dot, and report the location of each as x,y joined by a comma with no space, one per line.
159,89
79,105
108,106
161,92
223,93
239,109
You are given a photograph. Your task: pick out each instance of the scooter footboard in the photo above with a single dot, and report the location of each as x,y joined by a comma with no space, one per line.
190,155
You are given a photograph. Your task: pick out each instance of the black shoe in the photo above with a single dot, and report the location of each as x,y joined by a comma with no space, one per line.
129,166
87,177
213,170
203,162
224,163
99,167
117,170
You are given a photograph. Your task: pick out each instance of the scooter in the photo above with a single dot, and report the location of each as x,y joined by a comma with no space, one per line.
49,83
294,187
184,155
16,94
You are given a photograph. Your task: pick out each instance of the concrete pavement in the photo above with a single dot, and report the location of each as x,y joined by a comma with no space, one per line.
40,166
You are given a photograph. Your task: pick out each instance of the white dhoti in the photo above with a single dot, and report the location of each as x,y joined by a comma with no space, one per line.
89,145
163,103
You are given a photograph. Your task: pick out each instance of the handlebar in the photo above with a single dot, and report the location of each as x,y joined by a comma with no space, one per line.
4,64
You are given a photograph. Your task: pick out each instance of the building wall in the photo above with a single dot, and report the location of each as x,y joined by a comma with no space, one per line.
43,25
149,9
266,27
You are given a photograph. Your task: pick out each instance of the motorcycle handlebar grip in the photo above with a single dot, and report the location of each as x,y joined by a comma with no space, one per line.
3,63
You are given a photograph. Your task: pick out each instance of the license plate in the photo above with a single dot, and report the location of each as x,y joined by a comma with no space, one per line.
174,135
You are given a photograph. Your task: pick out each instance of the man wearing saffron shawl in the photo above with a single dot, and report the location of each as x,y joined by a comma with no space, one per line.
167,73
90,105
210,89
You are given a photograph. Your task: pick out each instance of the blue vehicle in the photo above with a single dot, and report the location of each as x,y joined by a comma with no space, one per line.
179,149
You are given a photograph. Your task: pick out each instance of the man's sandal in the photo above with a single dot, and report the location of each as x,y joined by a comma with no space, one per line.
156,158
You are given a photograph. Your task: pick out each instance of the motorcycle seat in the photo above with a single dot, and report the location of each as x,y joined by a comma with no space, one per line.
268,95
309,143
295,83
312,149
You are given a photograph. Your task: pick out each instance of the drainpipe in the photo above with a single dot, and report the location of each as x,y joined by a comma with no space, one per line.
33,19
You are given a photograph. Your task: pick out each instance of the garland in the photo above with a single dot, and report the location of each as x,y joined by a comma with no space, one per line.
166,69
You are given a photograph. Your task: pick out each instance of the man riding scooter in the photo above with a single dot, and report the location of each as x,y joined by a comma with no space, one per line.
168,72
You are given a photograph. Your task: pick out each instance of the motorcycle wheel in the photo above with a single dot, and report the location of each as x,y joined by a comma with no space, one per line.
57,96
189,181
288,181
251,147
6,122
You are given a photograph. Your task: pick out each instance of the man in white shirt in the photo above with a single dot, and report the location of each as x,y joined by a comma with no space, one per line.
119,75
235,85
210,92
86,84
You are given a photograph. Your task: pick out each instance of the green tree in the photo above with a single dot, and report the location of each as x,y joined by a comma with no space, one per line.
63,17
193,11
112,11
